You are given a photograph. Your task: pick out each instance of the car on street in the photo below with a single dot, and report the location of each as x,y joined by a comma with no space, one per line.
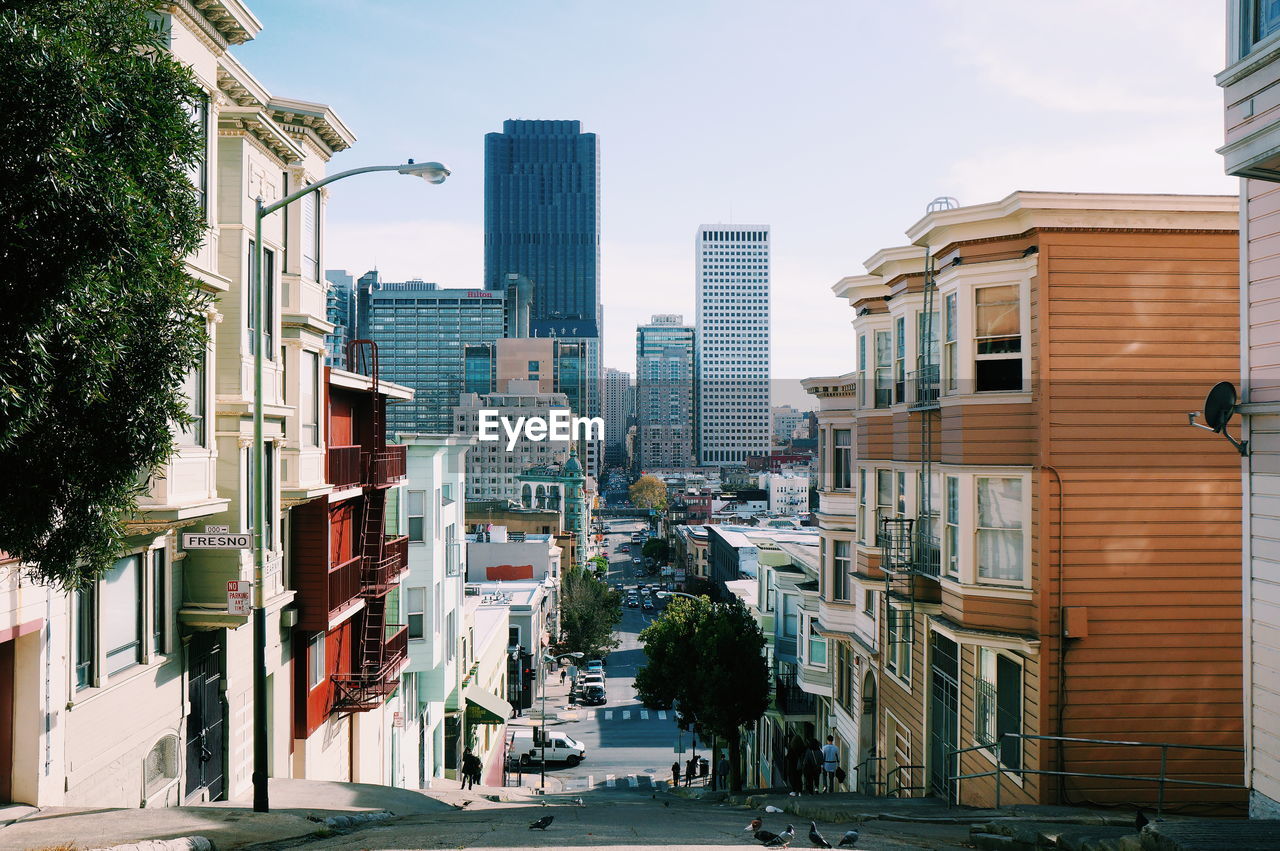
647,604
595,666
527,749
594,695
633,603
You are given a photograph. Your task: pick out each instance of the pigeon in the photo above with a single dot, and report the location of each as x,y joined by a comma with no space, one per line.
765,836
755,825
782,840
772,809
850,837
666,803
578,802
1140,820
816,838
542,823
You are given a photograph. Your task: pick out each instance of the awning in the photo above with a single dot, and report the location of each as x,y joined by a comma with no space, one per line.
484,707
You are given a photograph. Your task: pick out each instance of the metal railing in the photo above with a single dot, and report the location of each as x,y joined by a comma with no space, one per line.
864,778
344,585
922,388
1161,780
382,575
790,699
928,554
344,466
893,790
387,466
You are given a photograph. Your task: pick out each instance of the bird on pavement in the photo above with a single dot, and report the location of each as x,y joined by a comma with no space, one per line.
542,823
772,809
765,836
782,840
578,802
1140,820
755,825
816,838
850,837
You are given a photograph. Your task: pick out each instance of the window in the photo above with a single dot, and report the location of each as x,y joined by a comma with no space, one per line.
309,399
1262,18
927,358
869,601
843,459
884,360
417,514
159,601
862,504
862,368
86,634
310,237
949,341
816,652
842,566
789,616
999,531
997,339
193,388
952,542
998,705
269,323
251,309
199,170
122,614
898,638
415,611
315,660
513,636
884,500
900,359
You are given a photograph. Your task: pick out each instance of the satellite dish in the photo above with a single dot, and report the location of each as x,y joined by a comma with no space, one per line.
1219,405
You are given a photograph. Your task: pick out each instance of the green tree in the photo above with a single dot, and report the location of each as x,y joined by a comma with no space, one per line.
599,565
657,549
648,492
101,322
589,612
709,657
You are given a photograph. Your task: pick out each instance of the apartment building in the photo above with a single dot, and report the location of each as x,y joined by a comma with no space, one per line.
1252,135
346,569
1021,538
664,393
492,469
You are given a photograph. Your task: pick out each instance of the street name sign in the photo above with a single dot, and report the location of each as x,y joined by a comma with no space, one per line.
217,541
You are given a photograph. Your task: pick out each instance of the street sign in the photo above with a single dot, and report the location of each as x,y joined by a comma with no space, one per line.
217,541
272,565
397,720
239,592
679,746
216,530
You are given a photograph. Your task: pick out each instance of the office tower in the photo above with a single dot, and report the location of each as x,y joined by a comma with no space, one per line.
421,332
664,392
618,402
733,343
786,419
340,310
492,468
542,221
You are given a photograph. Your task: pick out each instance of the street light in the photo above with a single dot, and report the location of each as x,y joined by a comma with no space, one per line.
432,172
662,595
542,784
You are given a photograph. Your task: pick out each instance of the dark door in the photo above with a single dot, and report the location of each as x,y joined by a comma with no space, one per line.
944,711
7,692
206,724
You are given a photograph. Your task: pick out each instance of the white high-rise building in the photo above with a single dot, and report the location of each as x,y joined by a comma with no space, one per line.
732,343
618,412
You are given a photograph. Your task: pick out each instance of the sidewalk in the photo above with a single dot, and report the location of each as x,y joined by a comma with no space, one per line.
299,808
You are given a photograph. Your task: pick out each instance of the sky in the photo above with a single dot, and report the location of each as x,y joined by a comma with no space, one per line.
834,122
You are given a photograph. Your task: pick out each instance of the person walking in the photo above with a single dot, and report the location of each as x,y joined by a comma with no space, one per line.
675,774
795,751
830,762
563,674
690,769
470,769
811,766
724,772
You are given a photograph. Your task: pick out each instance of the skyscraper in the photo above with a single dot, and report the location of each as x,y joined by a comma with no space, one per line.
340,310
542,221
664,393
732,343
618,402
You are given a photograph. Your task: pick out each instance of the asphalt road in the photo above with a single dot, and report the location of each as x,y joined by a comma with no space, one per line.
629,747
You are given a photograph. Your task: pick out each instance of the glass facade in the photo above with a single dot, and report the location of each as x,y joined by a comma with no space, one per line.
664,393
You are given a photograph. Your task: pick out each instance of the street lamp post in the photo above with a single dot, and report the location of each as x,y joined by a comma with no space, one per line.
542,783
431,172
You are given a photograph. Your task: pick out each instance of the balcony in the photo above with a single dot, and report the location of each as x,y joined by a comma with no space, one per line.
384,574
790,699
344,587
344,467
387,466
922,388
368,689
928,554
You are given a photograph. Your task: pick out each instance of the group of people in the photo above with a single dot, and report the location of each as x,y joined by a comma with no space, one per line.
471,768
812,767
697,768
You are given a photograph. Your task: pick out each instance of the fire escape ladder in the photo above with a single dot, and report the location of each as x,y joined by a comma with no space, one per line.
928,389
897,561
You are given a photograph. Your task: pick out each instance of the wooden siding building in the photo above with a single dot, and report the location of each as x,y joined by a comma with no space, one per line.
1022,537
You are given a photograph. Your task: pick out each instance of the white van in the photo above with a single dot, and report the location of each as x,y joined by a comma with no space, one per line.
560,748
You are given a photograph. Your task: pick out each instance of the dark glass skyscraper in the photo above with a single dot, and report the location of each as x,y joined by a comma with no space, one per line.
542,220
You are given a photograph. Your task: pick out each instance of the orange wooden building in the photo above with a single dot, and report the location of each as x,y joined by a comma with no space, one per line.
1023,540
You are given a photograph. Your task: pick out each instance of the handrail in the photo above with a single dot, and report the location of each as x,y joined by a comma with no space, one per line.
865,786
897,769
1161,780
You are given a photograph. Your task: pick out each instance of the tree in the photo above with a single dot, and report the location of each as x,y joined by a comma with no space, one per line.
657,549
589,611
599,565
648,492
101,322
709,657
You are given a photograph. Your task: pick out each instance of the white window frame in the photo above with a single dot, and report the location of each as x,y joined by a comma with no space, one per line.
1021,529
315,661
416,609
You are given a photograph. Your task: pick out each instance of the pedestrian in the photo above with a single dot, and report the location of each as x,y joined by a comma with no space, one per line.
470,769
563,673
830,762
690,769
724,772
811,766
794,777
675,774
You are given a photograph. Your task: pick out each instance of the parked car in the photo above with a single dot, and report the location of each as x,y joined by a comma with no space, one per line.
559,748
595,666
594,695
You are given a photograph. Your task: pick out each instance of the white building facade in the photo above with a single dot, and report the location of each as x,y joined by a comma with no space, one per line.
788,493
733,338
492,468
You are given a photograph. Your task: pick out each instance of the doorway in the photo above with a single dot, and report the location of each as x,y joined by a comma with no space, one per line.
206,723
867,766
7,694
944,714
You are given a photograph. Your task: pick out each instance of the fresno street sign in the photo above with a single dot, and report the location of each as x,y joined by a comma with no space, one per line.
217,538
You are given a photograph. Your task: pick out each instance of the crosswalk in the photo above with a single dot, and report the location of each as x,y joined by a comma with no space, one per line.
615,781
629,715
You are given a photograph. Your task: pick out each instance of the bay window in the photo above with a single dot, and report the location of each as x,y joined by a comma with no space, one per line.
816,651
417,516
842,459
862,504
884,367
86,646
898,642
998,706
862,369
193,388
310,237
999,530
900,359
950,322
841,567
309,399
415,611
884,501
997,339
951,544
122,614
